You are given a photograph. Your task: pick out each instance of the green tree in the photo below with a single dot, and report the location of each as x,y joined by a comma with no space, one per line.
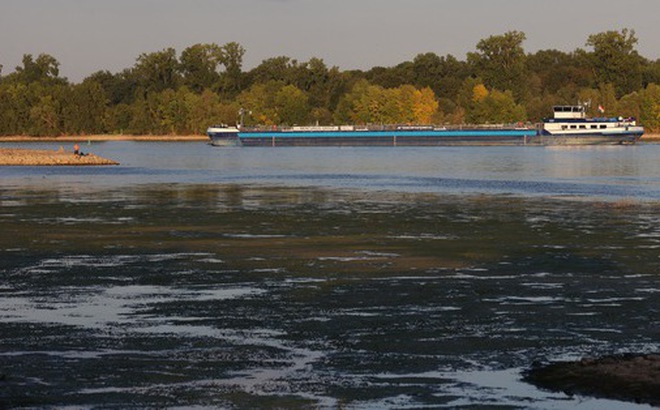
280,68
552,70
292,105
649,108
500,61
313,78
16,101
119,118
119,88
199,66
207,109
46,115
630,105
483,106
84,110
45,69
258,100
616,61
501,108
172,111
158,71
144,114
232,78
604,96
427,70
391,77
651,72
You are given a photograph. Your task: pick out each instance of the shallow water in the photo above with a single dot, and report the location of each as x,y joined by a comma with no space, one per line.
184,283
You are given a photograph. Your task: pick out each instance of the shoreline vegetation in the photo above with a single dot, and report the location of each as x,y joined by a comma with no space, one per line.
107,137
168,92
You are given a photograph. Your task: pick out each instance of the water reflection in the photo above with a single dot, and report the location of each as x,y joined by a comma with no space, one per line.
586,172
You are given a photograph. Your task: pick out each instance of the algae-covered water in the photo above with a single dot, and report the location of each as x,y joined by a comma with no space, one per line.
154,287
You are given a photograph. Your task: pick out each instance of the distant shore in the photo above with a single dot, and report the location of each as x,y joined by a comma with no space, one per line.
103,137
159,138
34,157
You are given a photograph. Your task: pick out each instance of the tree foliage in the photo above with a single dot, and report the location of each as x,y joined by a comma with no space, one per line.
615,60
500,61
373,104
167,93
199,66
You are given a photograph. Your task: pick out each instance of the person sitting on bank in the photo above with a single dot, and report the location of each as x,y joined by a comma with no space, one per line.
77,151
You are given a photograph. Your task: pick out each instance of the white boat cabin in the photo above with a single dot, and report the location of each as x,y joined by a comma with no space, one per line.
569,112
572,119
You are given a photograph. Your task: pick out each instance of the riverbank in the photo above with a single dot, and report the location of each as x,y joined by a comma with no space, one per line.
104,137
31,157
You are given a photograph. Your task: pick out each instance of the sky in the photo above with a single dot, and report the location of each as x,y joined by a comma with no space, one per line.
90,35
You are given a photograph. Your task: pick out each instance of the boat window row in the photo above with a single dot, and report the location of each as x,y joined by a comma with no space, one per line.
568,108
584,127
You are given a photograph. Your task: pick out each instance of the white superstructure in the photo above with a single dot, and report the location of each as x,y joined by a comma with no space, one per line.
571,120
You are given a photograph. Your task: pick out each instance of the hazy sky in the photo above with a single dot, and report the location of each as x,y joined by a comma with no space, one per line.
90,35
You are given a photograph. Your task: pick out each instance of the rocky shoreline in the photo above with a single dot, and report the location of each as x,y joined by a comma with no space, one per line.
633,378
32,157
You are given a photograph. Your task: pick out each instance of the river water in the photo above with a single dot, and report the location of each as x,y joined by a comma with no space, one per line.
194,276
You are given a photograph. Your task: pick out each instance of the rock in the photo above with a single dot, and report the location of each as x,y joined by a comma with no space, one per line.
634,378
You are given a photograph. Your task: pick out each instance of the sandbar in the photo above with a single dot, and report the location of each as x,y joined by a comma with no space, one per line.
34,157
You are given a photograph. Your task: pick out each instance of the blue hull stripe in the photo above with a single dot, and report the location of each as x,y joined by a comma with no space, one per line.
399,133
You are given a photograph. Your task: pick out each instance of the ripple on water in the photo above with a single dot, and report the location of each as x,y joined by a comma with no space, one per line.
100,307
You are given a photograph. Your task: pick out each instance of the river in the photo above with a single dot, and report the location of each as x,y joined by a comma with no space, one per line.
194,276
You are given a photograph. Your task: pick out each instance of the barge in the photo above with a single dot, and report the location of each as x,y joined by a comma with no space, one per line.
568,126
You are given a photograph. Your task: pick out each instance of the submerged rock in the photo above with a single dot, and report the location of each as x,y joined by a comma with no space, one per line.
627,377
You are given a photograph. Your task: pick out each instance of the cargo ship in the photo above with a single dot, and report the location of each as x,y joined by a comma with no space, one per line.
568,126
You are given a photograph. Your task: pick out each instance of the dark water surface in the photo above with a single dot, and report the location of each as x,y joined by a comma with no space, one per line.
334,278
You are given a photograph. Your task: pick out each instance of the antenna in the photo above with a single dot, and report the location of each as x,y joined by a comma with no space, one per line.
241,112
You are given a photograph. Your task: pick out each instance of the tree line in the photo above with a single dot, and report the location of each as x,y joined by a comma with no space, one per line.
167,93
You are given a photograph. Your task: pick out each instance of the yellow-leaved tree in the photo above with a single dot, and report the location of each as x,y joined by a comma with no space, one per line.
371,104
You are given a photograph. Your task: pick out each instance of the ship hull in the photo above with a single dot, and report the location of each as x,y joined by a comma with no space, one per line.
386,138
224,139
400,138
587,139
426,138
